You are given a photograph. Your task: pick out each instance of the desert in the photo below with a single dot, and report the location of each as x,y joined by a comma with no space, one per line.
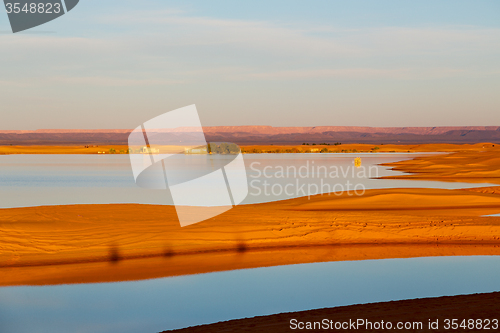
98,243
86,244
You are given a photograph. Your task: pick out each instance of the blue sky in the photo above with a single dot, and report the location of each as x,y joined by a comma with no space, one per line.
116,64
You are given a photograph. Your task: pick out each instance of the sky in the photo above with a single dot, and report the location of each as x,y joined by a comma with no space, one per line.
118,63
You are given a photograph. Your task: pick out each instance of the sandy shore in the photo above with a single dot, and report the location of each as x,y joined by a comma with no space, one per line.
49,242
69,149
373,148
470,166
393,148
477,306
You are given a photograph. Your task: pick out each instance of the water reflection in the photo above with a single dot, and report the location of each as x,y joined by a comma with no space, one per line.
156,305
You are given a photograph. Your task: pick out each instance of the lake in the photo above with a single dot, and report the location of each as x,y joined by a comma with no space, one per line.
36,180
168,303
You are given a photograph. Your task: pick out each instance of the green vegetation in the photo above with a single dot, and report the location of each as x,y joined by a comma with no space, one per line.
123,151
223,148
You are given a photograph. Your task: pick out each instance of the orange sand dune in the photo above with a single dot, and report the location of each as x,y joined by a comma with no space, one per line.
474,166
246,236
403,199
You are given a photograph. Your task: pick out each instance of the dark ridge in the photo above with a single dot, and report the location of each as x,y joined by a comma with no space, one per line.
427,311
285,136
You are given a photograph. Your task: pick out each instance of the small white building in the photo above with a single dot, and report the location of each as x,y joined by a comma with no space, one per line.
198,150
146,150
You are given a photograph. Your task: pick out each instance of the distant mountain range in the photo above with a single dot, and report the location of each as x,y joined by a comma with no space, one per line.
246,135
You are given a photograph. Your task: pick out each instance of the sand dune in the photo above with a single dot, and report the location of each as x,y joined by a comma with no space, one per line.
246,236
472,166
403,199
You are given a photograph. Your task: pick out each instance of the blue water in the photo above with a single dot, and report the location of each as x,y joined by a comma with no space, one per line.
168,303
35,180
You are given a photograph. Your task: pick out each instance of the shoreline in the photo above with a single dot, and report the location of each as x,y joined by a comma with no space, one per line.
462,166
171,264
249,149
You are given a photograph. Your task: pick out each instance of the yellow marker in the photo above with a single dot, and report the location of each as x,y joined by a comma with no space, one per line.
357,162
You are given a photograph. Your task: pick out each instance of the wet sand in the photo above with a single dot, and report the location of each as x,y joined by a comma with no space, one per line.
477,306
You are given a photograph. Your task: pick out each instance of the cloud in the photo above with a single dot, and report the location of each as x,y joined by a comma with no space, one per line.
403,40
331,73
105,81
170,47
289,39
183,30
357,73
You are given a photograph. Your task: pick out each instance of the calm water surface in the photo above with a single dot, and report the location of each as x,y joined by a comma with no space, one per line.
35,180
168,303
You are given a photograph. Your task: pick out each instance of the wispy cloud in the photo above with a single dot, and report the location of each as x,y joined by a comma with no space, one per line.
105,81
309,39
356,73
170,46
